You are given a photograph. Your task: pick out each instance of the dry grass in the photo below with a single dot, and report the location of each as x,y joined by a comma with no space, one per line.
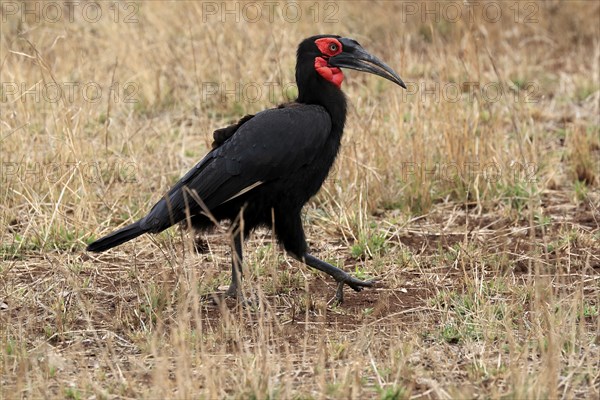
481,215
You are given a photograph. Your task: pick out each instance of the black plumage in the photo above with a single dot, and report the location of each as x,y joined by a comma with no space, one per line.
262,170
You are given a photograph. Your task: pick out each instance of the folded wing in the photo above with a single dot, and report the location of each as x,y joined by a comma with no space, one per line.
271,145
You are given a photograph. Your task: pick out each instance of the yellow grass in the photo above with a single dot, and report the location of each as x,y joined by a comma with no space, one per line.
478,209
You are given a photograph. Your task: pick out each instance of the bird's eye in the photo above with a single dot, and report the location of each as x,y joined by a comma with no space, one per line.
333,47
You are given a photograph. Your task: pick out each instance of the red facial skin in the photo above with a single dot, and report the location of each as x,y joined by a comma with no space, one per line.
329,47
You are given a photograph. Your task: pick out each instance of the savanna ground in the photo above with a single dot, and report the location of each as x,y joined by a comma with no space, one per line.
473,196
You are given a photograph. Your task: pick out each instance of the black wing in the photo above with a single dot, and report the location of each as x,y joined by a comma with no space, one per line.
269,146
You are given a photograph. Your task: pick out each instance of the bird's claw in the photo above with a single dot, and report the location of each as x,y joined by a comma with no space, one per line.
356,284
236,293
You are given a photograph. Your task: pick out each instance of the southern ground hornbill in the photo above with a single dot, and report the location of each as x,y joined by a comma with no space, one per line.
262,170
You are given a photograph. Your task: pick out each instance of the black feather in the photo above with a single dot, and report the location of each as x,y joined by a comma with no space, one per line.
116,238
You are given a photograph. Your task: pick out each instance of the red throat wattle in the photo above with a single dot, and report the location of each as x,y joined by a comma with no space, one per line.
331,74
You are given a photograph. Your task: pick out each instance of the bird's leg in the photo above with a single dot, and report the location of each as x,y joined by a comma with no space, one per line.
289,230
340,276
235,289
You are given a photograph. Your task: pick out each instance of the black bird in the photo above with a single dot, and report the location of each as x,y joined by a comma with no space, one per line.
262,170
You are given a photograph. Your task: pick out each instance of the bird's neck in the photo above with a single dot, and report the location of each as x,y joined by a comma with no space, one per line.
331,98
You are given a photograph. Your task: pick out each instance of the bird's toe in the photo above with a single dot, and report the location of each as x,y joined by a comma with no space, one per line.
358,285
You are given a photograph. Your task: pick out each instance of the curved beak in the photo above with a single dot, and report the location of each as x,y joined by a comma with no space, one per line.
355,57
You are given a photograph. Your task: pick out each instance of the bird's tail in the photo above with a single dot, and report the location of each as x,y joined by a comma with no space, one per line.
116,238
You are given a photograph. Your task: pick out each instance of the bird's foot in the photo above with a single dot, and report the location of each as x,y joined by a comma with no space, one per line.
234,292
356,284
342,278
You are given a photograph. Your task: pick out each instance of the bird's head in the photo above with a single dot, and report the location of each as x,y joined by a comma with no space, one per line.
326,54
